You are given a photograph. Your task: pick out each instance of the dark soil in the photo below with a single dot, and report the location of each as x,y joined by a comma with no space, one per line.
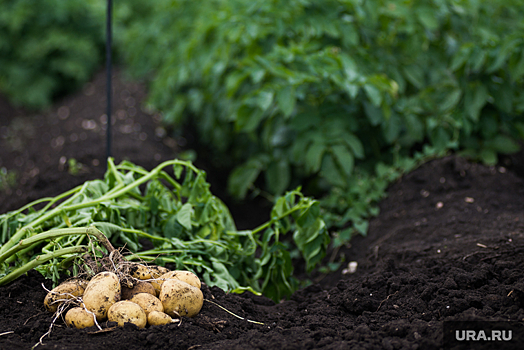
448,245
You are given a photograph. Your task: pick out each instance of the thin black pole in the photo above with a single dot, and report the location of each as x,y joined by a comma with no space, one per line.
108,82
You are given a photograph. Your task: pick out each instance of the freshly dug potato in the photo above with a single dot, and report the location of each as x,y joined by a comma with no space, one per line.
179,297
79,317
127,311
157,318
143,272
147,302
102,291
66,290
186,276
138,287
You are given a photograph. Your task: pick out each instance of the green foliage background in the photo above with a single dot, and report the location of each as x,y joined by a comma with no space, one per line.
48,47
341,96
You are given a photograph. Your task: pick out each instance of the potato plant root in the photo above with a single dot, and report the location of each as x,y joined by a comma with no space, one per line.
448,244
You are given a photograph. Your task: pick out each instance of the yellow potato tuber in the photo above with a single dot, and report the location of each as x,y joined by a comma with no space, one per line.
67,290
102,291
79,317
147,302
157,318
180,298
144,272
186,276
127,311
138,287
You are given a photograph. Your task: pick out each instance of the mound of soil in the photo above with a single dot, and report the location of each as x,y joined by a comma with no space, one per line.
448,245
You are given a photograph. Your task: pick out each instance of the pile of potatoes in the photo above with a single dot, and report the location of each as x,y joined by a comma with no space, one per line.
156,297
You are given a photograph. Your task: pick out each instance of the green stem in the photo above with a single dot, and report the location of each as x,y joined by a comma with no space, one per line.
273,220
50,200
52,234
75,191
14,239
131,230
25,207
40,259
172,181
117,191
155,252
13,257
114,171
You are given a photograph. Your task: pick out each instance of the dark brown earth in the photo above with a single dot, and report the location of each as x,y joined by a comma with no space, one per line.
448,244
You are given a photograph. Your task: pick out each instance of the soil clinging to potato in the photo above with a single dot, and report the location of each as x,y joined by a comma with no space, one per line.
448,244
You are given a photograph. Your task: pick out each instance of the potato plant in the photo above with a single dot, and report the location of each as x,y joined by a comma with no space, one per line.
172,207
335,95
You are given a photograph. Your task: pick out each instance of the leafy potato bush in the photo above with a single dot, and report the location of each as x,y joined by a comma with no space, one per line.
178,213
336,96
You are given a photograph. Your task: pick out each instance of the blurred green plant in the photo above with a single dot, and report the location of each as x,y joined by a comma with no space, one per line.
48,47
7,179
342,96
74,167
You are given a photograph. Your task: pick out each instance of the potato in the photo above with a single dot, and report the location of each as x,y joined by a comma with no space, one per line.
157,318
147,302
67,290
102,291
186,276
127,311
144,272
79,317
181,298
138,287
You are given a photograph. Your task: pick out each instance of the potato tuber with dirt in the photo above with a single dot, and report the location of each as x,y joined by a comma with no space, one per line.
101,293
180,298
157,318
65,291
106,296
80,318
185,276
144,272
137,288
127,311
147,302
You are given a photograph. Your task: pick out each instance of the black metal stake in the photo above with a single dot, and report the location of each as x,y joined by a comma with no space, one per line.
108,82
